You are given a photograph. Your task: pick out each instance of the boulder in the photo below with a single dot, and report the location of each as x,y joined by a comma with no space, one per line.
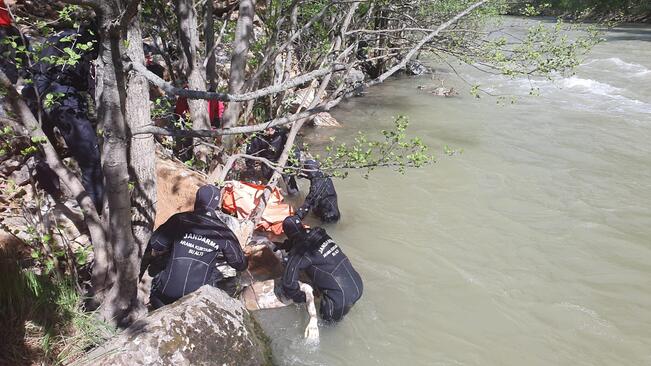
416,68
206,327
176,188
325,119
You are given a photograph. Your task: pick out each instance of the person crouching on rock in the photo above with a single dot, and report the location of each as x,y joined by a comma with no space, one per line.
198,241
332,274
322,197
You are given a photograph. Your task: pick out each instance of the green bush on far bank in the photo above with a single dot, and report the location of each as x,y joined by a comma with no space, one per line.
602,10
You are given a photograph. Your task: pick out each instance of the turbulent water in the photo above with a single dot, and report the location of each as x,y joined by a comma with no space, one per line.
531,247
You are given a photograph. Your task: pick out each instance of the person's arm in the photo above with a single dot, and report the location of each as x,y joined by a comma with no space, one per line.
162,239
234,255
291,286
310,201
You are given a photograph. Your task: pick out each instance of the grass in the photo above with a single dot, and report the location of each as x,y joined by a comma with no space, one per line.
43,321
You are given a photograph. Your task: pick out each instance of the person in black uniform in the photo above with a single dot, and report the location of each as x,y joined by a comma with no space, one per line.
198,241
322,197
69,116
270,145
331,273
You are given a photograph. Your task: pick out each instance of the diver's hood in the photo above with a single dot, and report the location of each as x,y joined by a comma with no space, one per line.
207,198
311,169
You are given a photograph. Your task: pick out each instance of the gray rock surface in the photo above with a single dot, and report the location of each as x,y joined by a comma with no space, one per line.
416,68
206,327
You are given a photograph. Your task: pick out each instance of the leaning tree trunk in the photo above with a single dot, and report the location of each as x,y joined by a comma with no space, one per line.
243,38
187,18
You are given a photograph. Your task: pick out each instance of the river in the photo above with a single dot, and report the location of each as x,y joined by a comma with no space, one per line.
531,247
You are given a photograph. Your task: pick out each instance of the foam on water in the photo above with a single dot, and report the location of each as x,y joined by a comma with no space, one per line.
621,65
589,86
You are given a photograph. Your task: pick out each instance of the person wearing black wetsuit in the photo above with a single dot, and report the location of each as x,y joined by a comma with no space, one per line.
322,197
270,145
331,273
69,116
198,240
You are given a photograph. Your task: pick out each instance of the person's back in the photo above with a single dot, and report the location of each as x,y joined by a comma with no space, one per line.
328,268
322,197
198,240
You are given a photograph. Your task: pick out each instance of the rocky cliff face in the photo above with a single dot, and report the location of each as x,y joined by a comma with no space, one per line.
206,327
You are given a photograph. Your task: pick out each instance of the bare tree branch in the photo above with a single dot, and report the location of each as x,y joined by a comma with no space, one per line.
196,94
239,129
422,42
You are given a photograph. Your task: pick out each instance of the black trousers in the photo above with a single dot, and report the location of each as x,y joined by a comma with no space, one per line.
157,299
333,311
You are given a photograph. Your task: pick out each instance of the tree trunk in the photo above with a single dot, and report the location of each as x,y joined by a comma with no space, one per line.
209,35
119,303
142,150
243,38
189,32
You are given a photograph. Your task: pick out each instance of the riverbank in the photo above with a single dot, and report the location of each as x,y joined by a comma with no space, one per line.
589,15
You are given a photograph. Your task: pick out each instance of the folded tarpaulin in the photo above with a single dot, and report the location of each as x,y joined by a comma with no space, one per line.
241,198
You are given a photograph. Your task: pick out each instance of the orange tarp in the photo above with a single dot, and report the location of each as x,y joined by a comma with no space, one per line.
240,198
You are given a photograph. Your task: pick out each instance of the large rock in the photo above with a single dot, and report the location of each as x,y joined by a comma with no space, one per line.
206,327
176,188
325,119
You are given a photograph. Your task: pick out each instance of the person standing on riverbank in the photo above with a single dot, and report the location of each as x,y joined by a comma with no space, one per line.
332,274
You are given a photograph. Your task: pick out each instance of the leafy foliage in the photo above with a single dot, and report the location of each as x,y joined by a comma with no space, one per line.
395,149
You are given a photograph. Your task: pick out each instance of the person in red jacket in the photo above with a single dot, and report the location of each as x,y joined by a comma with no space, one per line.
215,110
5,18
7,53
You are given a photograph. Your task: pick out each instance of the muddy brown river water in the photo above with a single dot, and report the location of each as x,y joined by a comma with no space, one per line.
532,247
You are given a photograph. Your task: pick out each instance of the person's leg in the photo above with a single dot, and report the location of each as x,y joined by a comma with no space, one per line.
327,309
292,186
333,310
91,179
157,299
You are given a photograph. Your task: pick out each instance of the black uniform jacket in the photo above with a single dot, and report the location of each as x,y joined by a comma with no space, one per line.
322,199
327,266
197,242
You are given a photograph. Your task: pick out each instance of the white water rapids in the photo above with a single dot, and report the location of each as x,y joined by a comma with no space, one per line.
532,247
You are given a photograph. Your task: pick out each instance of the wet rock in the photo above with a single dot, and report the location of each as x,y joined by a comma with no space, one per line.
440,91
325,119
416,68
355,77
206,327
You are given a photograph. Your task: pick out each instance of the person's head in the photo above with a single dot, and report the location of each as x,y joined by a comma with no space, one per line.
293,227
270,131
311,168
207,198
